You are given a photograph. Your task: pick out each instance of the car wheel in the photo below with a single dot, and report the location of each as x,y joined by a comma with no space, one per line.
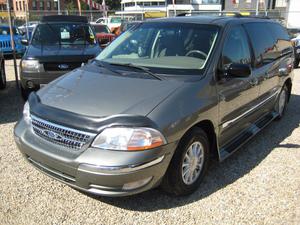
2,77
25,93
296,63
188,165
281,102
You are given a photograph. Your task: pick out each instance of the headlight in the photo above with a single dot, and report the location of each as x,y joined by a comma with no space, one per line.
31,66
131,139
26,112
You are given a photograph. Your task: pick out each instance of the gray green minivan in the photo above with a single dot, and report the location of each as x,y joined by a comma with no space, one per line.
158,104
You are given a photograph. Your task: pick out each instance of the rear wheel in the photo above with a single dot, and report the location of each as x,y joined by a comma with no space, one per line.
2,76
188,165
281,102
296,63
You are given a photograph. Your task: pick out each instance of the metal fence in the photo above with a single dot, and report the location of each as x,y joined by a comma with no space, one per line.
92,15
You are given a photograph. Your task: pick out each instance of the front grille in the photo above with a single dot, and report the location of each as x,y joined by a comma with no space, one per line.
53,66
6,44
60,135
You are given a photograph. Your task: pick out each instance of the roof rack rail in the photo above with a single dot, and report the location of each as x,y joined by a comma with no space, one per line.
222,13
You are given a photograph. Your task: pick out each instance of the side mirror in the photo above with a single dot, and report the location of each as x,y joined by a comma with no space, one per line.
25,42
238,70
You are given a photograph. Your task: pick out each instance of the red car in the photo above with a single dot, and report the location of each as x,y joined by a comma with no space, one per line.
103,34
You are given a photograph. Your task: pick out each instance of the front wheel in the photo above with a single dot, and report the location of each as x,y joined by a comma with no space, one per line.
281,102
2,77
25,93
188,165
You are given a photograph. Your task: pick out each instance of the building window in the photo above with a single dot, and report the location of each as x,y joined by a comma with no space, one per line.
41,5
129,4
147,3
34,5
24,6
161,4
48,5
55,5
20,6
17,6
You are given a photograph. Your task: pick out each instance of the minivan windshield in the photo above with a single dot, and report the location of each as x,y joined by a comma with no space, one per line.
63,34
163,45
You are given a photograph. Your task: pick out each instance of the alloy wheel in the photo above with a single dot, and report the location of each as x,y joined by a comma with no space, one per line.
192,163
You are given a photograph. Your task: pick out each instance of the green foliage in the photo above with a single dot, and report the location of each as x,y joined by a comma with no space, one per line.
112,4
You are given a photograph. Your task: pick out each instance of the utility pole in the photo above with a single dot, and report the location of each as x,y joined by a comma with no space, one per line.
257,7
12,42
26,19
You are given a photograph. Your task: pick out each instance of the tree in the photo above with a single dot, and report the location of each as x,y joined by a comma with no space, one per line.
112,4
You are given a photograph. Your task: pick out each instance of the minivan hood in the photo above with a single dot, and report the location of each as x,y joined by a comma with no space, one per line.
49,53
96,93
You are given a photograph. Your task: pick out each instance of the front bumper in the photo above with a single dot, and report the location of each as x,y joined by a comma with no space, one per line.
95,171
39,78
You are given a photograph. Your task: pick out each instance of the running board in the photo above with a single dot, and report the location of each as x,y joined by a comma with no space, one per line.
246,135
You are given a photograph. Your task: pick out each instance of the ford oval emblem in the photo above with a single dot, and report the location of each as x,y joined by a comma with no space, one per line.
52,135
63,66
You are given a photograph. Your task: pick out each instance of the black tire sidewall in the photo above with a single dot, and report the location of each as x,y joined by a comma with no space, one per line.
2,80
175,169
296,63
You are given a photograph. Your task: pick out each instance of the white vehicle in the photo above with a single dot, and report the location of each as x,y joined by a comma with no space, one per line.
111,22
31,25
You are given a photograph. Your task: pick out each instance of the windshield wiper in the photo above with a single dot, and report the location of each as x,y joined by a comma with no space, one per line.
144,69
101,64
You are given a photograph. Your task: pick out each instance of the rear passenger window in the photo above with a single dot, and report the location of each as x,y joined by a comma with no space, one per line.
236,48
263,43
282,38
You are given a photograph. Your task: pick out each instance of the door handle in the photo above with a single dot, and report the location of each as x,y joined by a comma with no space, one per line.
253,82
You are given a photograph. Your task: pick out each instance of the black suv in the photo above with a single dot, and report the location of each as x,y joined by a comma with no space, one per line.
2,72
158,103
58,45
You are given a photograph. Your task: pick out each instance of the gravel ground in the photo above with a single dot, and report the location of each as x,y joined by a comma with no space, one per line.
260,184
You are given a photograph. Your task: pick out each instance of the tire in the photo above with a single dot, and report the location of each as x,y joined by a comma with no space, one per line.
25,93
281,103
296,63
174,181
2,76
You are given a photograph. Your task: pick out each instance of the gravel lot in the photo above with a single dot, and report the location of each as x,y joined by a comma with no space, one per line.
260,184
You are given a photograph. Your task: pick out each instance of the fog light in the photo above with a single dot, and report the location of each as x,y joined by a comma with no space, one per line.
30,84
136,184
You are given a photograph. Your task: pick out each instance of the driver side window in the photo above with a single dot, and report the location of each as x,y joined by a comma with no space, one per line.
236,48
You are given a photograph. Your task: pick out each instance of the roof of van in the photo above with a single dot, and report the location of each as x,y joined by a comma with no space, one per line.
216,20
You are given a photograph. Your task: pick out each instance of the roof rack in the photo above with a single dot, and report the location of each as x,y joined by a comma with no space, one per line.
222,13
64,18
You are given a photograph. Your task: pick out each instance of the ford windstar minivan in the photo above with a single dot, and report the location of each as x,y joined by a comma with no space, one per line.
59,44
158,104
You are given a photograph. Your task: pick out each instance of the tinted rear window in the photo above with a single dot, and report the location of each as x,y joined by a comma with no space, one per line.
263,43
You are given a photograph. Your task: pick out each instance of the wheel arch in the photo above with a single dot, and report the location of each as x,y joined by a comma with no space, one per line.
208,127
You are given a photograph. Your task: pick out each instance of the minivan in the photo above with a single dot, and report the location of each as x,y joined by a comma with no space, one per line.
158,104
58,45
